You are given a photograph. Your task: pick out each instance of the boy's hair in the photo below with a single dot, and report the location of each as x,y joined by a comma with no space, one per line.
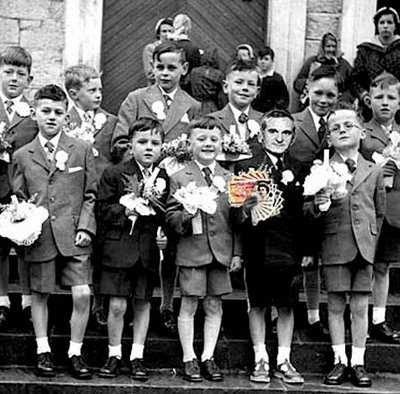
387,11
16,56
266,51
163,21
384,80
324,71
243,65
145,124
168,47
204,122
275,113
345,106
76,76
51,92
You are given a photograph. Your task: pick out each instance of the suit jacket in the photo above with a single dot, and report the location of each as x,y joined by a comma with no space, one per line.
68,195
119,248
376,140
102,138
352,224
306,147
19,132
276,242
139,104
219,240
227,119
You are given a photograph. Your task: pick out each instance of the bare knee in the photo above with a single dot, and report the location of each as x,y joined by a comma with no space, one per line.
188,307
141,306
212,306
336,304
81,296
359,306
117,306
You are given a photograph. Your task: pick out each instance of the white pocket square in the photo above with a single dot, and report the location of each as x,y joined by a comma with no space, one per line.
185,118
74,169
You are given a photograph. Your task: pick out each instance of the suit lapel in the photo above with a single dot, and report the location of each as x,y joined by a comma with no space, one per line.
65,144
226,118
308,127
194,173
74,118
151,95
363,170
39,155
3,115
180,105
378,132
16,119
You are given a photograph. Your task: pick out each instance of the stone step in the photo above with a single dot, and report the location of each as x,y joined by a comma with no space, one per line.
22,381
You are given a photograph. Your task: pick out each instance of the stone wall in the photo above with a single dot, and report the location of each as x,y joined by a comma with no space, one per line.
322,16
38,26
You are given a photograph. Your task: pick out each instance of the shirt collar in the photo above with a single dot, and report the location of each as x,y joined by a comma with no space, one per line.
211,166
15,100
273,158
55,140
82,113
354,157
270,73
237,113
316,118
170,94
142,168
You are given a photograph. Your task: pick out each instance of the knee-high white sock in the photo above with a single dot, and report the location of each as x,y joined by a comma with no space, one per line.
212,325
260,353
186,336
339,352
357,355
378,315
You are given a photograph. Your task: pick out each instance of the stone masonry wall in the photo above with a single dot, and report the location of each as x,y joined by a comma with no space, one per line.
38,26
322,16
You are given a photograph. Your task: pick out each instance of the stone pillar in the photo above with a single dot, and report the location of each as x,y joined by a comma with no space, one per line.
286,29
357,25
83,24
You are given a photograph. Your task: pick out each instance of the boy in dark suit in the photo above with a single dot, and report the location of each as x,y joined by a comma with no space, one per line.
272,248
60,171
311,140
18,130
350,230
205,253
130,258
174,108
385,102
84,87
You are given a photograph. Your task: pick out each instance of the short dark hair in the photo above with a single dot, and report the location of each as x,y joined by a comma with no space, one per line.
387,11
385,80
167,47
266,51
76,76
324,71
51,92
145,124
275,113
16,56
243,65
204,122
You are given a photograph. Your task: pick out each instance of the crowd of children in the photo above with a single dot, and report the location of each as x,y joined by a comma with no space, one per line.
95,236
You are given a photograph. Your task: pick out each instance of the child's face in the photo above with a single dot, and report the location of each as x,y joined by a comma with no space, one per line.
345,131
384,102
278,135
243,54
50,116
205,144
323,96
265,63
165,30
146,147
241,88
168,70
13,80
89,96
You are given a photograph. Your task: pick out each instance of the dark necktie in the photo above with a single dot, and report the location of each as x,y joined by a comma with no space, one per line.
9,106
146,173
243,118
88,117
351,165
279,164
207,175
50,150
322,129
168,100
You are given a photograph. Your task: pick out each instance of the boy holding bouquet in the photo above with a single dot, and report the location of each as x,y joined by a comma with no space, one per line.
380,130
130,210
208,247
60,171
350,229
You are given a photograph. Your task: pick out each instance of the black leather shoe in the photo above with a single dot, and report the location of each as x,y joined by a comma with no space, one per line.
110,368
168,322
318,331
191,371
44,365
384,333
211,371
337,375
138,370
359,376
4,312
78,368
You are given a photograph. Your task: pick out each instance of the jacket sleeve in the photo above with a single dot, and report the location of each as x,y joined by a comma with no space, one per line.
380,200
301,79
87,220
18,179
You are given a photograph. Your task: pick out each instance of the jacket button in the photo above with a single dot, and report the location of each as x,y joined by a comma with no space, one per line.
53,218
52,199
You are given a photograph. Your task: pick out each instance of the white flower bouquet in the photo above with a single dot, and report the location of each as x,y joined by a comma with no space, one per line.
328,177
85,133
21,222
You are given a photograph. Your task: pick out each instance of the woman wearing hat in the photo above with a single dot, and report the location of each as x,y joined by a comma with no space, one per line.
380,54
163,29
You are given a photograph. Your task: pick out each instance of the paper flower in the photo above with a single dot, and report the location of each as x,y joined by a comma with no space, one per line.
254,128
178,148
219,183
22,109
185,118
158,108
99,120
61,158
390,152
287,177
160,185
232,143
